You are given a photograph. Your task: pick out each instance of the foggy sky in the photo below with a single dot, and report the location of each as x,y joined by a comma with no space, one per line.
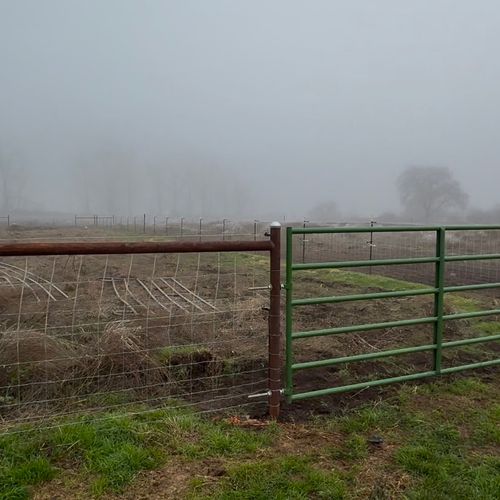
290,102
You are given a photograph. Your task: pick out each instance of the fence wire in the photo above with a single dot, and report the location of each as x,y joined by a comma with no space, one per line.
338,247
93,334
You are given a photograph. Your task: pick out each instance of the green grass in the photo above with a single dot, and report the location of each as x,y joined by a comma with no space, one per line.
285,478
364,280
446,435
441,440
112,450
464,304
355,448
488,327
187,352
447,475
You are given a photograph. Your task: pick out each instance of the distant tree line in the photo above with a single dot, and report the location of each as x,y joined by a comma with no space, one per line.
427,194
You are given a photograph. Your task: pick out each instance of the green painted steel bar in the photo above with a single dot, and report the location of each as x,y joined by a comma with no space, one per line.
361,357
361,385
390,324
387,295
363,296
363,263
480,364
362,328
464,288
463,258
473,227
477,314
476,340
357,229
289,314
439,298
393,352
440,259
385,381
389,229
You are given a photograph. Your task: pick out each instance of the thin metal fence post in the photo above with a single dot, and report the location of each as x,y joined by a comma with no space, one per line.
182,226
275,357
154,224
288,315
439,298
304,242
255,222
223,229
166,226
199,231
144,225
370,243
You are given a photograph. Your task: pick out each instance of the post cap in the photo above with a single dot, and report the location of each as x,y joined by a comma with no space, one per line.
275,224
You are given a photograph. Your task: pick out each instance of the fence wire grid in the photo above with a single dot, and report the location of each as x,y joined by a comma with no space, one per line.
87,334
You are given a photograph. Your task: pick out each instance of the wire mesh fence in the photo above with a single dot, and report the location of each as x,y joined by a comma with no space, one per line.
378,246
358,334
94,333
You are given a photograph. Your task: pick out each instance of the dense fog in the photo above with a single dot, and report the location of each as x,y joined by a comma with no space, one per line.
247,109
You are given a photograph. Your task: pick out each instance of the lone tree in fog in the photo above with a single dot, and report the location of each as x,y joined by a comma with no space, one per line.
430,192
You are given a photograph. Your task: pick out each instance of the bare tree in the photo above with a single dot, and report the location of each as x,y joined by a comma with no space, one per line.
430,192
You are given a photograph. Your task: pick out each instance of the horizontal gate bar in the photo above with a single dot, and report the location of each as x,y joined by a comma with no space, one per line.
361,328
393,352
384,295
361,357
390,262
385,381
472,227
361,385
477,340
481,364
363,296
390,324
477,314
369,229
109,248
461,258
362,263
388,229
463,288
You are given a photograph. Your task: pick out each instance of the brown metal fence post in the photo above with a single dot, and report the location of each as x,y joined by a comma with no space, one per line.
275,323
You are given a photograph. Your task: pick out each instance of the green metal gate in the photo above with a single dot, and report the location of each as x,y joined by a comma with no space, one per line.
437,319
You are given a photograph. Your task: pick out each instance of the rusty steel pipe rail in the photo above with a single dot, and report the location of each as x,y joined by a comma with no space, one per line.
120,248
110,248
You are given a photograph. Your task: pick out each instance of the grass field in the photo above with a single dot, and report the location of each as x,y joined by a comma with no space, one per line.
430,441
